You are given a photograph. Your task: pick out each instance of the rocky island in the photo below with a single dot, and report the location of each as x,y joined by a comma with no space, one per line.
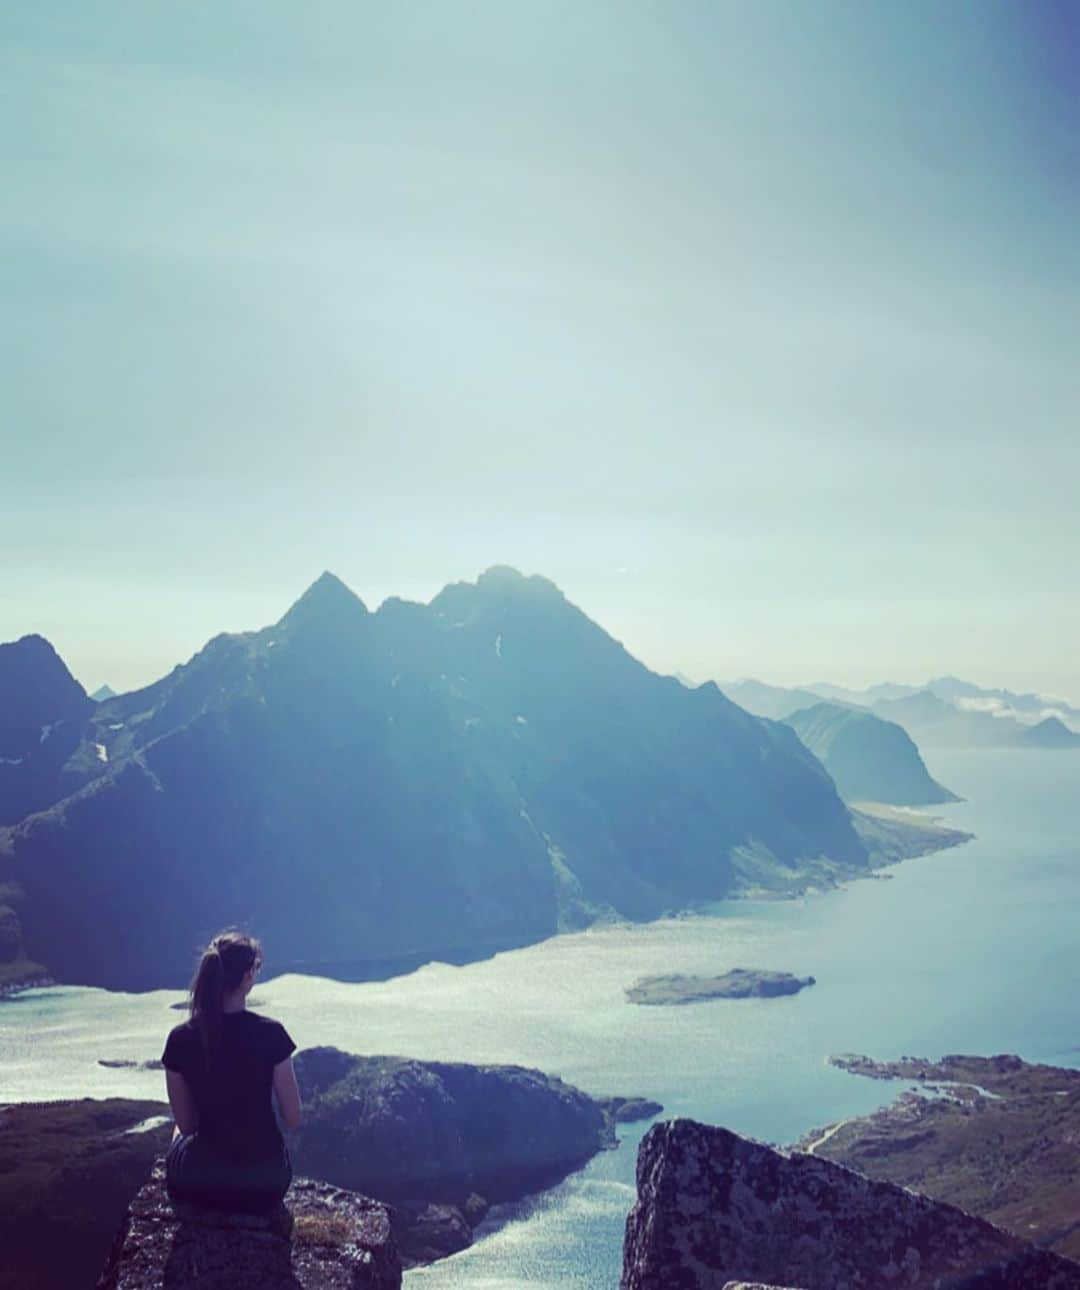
739,983
995,1135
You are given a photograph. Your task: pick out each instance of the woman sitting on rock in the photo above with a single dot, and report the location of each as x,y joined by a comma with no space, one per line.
223,1068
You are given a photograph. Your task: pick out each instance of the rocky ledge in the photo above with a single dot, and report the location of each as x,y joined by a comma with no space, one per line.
712,1207
995,1135
326,1239
739,983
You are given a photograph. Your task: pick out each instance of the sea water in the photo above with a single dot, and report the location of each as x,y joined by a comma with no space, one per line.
970,950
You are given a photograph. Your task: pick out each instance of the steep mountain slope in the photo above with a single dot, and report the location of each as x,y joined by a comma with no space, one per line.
426,780
868,758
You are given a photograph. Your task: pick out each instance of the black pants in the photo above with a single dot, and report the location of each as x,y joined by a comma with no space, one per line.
196,1174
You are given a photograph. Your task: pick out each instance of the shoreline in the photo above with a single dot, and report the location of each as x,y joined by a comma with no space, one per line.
897,836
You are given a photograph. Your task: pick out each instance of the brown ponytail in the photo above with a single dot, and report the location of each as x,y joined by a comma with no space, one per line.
225,962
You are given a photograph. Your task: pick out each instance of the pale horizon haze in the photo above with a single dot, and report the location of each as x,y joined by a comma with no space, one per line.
753,327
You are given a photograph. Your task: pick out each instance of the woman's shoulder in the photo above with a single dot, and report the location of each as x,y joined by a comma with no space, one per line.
259,1020
270,1035
179,1044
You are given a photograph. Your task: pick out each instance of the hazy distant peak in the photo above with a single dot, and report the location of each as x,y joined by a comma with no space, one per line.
494,591
102,693
504,578
328,602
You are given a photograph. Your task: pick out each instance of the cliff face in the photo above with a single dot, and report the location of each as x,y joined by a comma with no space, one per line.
338,1241
714,1207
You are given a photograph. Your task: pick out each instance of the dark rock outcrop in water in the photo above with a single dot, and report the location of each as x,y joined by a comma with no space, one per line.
739,983
442,1141
713,1207
338,1241
437,780
995,1135
869,759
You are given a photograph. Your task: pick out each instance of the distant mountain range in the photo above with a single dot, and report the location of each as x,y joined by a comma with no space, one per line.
946,713
436,780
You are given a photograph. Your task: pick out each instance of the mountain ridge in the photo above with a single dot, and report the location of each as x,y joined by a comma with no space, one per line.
444,779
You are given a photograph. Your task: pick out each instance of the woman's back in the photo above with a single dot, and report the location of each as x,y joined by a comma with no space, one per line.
224,1067
232,1090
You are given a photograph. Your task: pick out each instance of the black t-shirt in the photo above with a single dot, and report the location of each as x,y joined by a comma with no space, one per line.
234,1096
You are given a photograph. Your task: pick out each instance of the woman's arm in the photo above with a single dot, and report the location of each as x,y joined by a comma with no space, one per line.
182,1103
288,1094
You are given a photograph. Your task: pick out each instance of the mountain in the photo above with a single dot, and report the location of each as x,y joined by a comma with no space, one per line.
868,758
872,693
1050,733
1004,702
931,720
43,710
102,693
437,780
963,713
773,701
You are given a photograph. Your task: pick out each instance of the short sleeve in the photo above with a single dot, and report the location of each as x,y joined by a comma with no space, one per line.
281,1044
177,1050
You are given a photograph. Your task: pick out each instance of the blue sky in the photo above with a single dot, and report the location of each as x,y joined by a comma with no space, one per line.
753,326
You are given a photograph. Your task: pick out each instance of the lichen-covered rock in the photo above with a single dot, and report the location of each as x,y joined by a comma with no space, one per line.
336,1240
713,1207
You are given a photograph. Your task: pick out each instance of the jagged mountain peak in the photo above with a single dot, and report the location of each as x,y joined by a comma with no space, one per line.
504,579
327,603
37,692
499,586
